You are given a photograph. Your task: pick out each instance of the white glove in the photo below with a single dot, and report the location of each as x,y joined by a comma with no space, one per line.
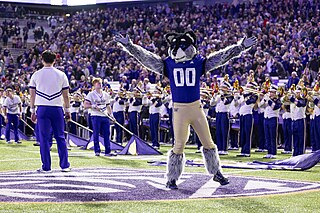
123,40
247,43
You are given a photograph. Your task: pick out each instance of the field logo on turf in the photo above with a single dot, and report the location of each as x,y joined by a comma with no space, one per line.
102,184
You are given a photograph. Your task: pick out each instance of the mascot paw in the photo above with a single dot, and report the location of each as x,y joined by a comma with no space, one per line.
123,40
249,42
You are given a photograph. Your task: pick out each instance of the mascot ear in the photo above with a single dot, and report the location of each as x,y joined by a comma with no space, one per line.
170,36
192,36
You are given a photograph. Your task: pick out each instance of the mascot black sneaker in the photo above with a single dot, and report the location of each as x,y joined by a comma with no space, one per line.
172,184
220,178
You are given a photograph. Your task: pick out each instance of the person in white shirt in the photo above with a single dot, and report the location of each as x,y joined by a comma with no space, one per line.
135,105
287,126
49,92
298,115
98,103
271,114
2,98
12,113
223,101
154,104
118,108
246,120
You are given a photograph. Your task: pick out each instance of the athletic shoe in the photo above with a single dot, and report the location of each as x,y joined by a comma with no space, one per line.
2,137
18,142
156,147
258,150
198,151
243,155
66,169
269,156
286,152
44,171
9,142
233,148
172,184
97,154
36,144
218,177
110,155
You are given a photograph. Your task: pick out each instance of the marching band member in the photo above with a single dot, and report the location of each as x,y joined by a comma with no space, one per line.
2,98
316,102
271,115
298,115
154,104
135,105
12,110
98,101
234,113
261,119
169,103
223,102
287,125
75,104
118,108
246,120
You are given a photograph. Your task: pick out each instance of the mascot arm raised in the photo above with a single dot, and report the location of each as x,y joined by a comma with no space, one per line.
220,58
148,59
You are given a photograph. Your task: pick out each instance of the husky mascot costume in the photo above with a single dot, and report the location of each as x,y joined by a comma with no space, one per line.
184,67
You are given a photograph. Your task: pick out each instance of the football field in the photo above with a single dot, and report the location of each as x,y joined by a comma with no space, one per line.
129,184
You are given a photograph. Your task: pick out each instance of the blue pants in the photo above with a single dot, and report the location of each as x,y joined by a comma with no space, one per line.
119,116
52,117
154,128
317,132
90,124
133,122
298,130
171,124
287,134
73,127
262,139
270,131
14,120
100,123
1,122
37,134
246,123
234,137
222,130
312,135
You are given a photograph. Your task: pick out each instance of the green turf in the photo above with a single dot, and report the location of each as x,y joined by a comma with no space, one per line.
15,157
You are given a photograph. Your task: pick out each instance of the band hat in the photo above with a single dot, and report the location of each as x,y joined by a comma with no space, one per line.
226,85
273,88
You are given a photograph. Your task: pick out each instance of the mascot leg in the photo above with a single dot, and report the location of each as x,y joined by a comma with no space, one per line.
175,167
212,164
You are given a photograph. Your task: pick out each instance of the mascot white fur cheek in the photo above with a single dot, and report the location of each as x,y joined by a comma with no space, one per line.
183,57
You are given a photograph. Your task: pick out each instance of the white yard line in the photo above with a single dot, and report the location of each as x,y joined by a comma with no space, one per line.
12,160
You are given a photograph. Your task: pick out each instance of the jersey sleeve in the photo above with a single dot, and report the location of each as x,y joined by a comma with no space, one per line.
5,103
65,82
32,83
89,98
107,97
18,100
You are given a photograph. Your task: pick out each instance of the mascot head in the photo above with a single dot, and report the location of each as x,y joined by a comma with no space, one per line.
182,46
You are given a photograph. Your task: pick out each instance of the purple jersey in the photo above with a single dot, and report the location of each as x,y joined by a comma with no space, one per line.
185,78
